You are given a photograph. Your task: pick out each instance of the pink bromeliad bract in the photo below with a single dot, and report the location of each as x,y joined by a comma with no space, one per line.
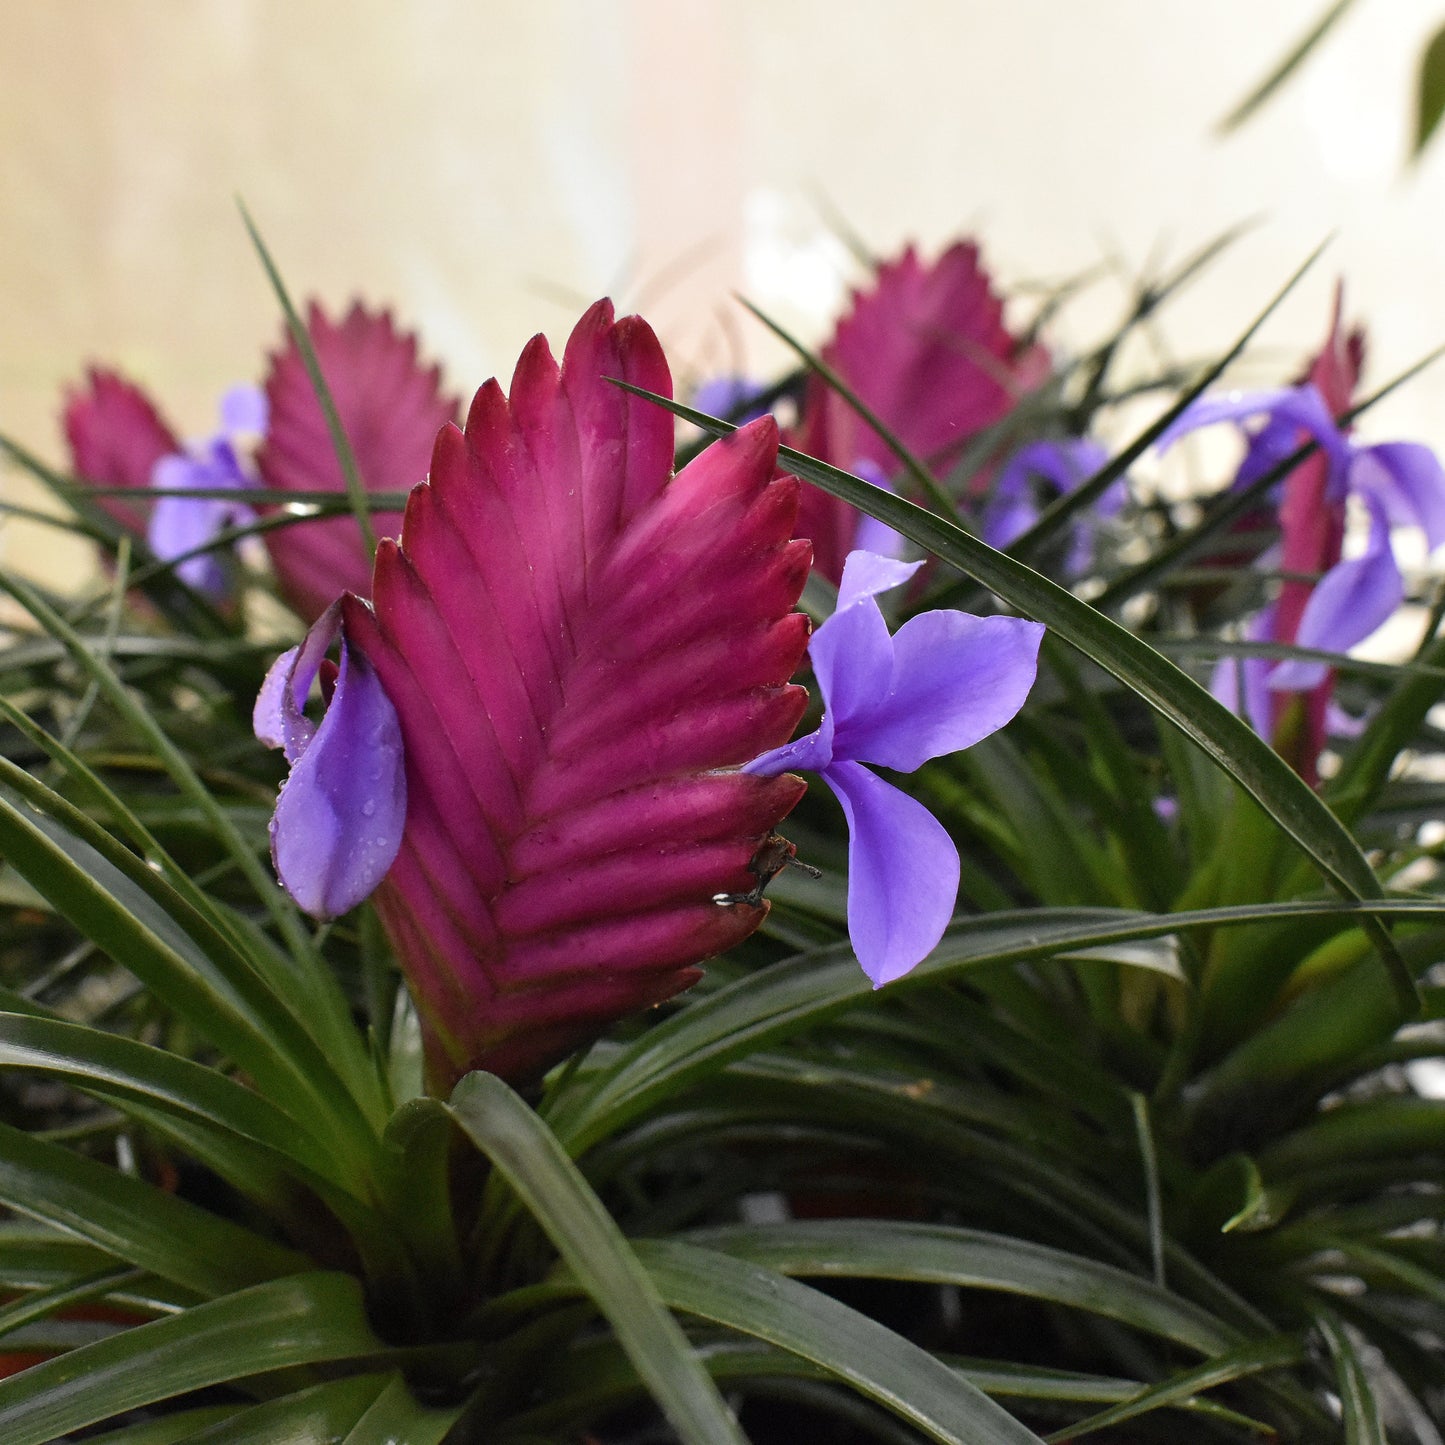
926,349
390,406
567,655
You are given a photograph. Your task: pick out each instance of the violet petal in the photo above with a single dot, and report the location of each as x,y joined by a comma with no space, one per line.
805,755
955,679
1351,600
279,719
902,873
339,819
1406,478
852,653
1242,683
244,409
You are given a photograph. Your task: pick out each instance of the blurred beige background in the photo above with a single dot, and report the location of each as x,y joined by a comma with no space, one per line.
490,168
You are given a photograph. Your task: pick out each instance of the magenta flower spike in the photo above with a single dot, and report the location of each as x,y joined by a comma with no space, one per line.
944,682
927,350
178,525
580,650
116,436
391,407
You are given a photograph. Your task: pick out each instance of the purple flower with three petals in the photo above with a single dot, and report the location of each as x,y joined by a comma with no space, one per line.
1397,483
1060,465
339,820
179,525
945,681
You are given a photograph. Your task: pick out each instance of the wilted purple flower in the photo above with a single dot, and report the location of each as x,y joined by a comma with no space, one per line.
1060,465
178,525
339,820
944,682
1398,483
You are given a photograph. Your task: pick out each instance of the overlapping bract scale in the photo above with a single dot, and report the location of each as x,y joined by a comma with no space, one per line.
116,436
926,349
390,406
575,644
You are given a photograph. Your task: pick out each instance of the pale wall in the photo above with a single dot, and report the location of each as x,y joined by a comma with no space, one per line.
489,168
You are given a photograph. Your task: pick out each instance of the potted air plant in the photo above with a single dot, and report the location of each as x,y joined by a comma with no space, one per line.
484,1067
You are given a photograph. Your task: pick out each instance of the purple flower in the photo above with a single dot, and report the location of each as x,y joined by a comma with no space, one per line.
339,819
1398,483
1060,465
945,681
734,398
178,525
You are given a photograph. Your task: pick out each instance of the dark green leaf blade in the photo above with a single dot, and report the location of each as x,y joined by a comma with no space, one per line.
880,1364
535,1165
304,1320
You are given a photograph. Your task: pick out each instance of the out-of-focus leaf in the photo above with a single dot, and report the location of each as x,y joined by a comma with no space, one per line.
396,1419
304,1320
1286,67
1358,1406
133,1220
1430,90
534,1164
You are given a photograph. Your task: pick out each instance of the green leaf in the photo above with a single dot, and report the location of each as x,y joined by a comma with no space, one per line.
121,1070
1358,1405
800,992
395,1418
875,1361
304,1320
177,1429
43,1303
1286,67
129,911
972,1259
1179,1389
134,1221
528,1156
1430,90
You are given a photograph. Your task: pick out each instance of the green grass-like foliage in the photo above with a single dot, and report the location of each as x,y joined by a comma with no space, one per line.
1136,1155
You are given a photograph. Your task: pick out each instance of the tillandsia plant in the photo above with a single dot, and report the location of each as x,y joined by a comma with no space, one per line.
577,1118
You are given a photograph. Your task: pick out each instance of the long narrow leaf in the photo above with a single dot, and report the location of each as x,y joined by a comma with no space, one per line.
871,1358
802,991
532,1161
301,1321
973,1259
133,1220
